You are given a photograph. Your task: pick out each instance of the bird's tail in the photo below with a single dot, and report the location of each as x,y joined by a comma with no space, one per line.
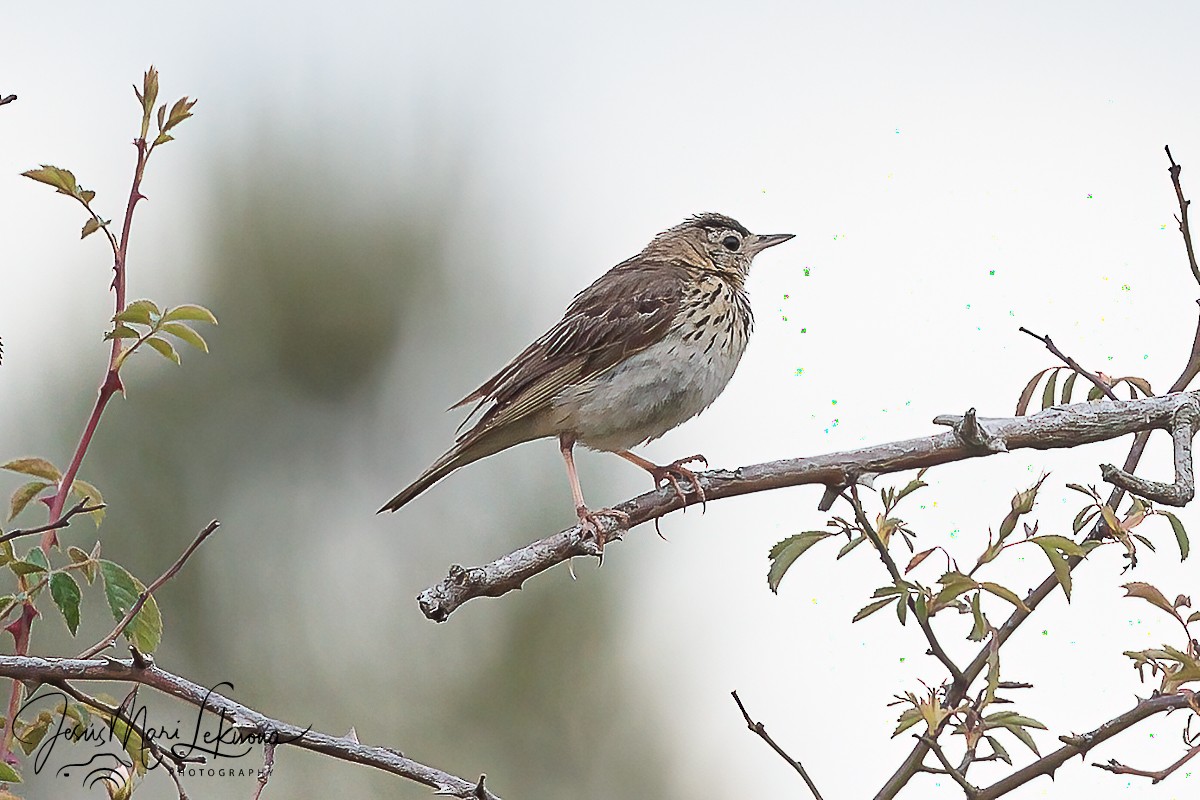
469,449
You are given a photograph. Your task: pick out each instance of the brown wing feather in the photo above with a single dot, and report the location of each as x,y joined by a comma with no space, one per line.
625,311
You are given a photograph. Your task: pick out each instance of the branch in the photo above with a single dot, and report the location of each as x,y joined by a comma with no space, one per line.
1179,493
1079,745
761,730
1182,219
6,100
1058,427
935,647
81,507
1117,768
109,640
1072,363
244,718
970,791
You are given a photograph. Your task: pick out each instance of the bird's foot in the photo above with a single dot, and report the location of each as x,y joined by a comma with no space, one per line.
671,473
589,522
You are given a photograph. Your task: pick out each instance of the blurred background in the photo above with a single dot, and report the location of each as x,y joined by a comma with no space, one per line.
384,202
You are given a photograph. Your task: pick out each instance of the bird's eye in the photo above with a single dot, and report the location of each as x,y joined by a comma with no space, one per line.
732,243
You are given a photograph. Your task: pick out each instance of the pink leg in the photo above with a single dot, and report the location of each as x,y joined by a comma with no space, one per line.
588,520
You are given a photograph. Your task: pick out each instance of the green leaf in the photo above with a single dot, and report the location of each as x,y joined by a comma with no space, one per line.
140,312
1004,593
179,112
37,467
1085,515
76,554
785,553
1027,393
36,556
1140,383
910,717
953,584
872,607
1180,534
850,545
61,179
186,334
189,312
979,630
31,736
8,774
998,748
916,560
25,567
65,592
1058,561
89,227
163,138
23,495
122,591
1048,392
82,489
164,348
1069,387
120,331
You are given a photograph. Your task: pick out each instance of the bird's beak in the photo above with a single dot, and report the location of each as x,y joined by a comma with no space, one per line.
761,241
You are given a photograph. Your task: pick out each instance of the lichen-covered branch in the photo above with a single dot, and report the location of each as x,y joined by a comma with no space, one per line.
1057,427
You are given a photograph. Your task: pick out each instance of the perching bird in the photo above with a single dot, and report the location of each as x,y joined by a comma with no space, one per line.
649,345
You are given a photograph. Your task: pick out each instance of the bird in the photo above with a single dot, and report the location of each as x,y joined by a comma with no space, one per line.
647,346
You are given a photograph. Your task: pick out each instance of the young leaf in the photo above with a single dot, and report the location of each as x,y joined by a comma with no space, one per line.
1027,392
1151,595
1140,383
23,495
1069,387
850,545
61,179
37,467
1180,534
122,591
139,312
980,628
872,607
1058,560
89,227
189,312
65,592
82,489
163,348
8,774
120,331
997,748
785,553
186,334
25,567
1004,593
1048,392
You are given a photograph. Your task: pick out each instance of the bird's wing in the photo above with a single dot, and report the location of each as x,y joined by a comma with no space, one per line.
628,309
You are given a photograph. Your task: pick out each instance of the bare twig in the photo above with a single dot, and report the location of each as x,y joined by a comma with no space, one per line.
761,730
244,718
1182,219
1058,427
6,100
63,521
111,638
1117,768
267,768
935,647
1072,363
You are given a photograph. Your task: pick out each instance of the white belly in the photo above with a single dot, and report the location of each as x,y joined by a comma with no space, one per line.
652,391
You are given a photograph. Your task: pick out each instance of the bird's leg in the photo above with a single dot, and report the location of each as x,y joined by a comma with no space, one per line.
588,520
671,473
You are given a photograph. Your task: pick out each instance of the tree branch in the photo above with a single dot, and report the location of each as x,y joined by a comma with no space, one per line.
1058,427
111,638
63,521
761,731
244,718
1117,768
1072,363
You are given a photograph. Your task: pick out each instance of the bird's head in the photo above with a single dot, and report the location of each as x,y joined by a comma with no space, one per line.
714,242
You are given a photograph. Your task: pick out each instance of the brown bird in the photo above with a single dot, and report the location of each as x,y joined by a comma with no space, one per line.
649,345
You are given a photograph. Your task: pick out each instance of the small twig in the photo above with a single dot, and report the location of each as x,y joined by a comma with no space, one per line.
761,731
81,507
111,638
267,769
1117,768
970,791
1072,363
1182,219
6,100
935,647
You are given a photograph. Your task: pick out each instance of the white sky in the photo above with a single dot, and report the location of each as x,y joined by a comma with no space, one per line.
915,150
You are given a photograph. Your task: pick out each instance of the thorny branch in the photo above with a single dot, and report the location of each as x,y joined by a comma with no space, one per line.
1058,427
761,731
63,521
1117,768
243,718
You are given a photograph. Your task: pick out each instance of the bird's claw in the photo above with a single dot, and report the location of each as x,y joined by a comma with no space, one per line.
589,523
671,473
